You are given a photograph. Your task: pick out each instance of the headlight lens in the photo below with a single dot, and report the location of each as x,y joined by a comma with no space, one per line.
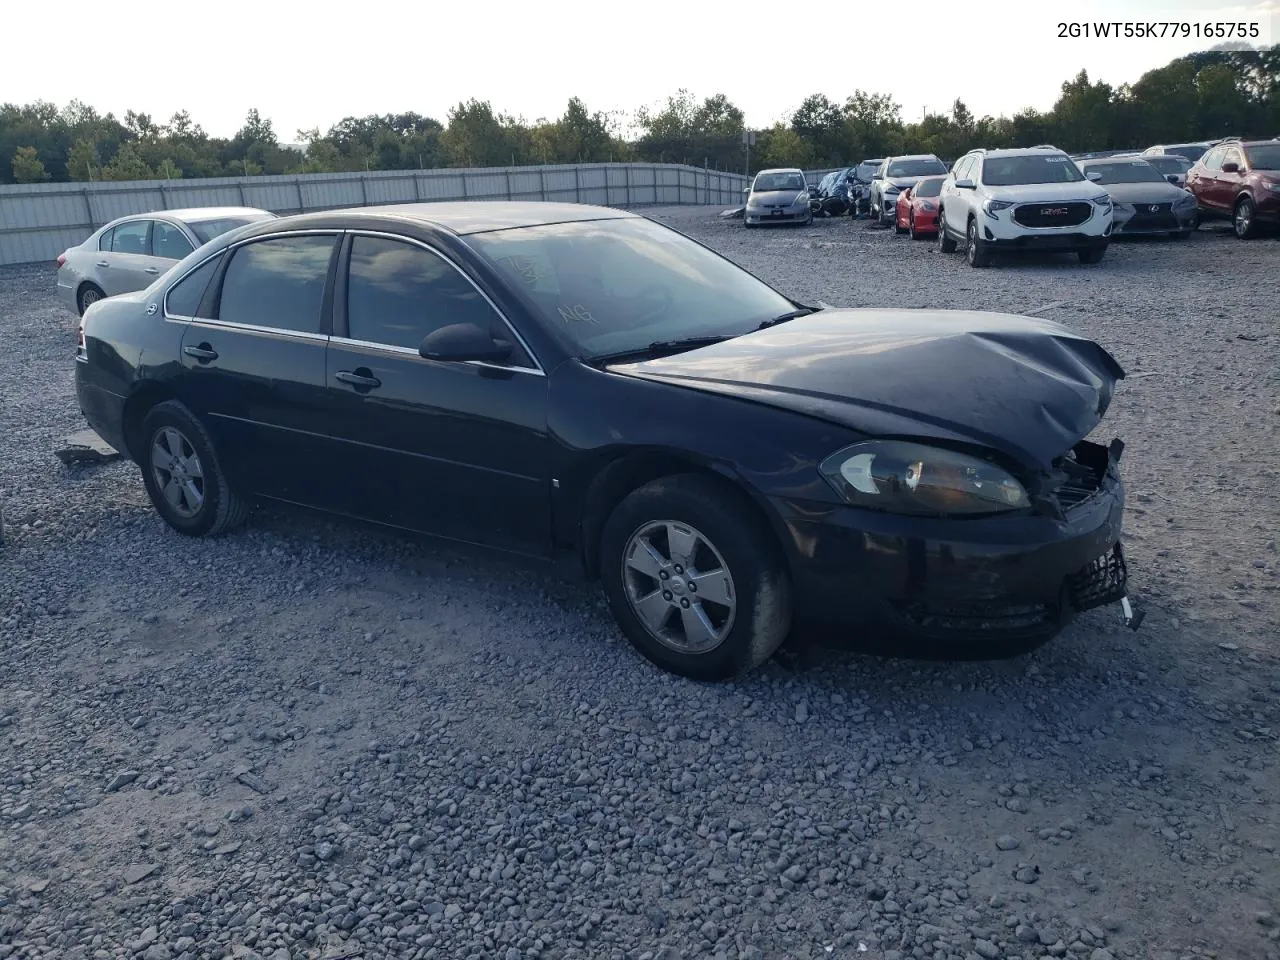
902,477
1103,201
802,199
992,207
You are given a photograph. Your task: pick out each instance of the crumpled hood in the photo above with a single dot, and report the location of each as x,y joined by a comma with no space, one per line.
1026,387
776,196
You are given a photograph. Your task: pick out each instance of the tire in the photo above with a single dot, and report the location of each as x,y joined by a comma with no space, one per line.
729,638
945,243
87,295
1244,219
1092,254
897,227
911,227
207,506
749,226
975,250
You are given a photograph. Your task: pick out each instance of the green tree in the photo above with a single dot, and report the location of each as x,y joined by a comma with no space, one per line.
127,164
82,160
27,167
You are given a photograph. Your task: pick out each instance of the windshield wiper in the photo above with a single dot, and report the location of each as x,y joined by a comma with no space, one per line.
784,317
658,347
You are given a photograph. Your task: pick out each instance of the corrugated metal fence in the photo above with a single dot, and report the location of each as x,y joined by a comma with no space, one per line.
39,221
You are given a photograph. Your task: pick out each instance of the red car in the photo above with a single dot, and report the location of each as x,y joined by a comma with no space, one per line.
918,208
1239,181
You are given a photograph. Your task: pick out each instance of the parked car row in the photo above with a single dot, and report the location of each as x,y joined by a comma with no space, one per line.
1040,198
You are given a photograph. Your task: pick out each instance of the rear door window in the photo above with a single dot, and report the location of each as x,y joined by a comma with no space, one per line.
169,242
278,283
132,237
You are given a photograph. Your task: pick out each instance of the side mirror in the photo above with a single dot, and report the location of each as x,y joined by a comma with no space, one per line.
1172,178
746,189
877,176
965,184
1231,167
459,342
1094,175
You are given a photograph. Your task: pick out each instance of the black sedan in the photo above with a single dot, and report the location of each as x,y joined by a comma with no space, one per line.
1143,198
585,384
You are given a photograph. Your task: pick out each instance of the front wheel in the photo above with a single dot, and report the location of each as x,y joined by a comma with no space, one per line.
945,243
1244,221
975,250
695,579
183,475
1092,254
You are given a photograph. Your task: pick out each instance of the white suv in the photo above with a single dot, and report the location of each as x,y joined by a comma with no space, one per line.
1032,199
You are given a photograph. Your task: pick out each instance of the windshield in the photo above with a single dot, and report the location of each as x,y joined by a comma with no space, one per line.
206,230
1169,163
768,182
1192,152
1130,171
864,171
929,188
914,168
615,286
1042,168
1264,156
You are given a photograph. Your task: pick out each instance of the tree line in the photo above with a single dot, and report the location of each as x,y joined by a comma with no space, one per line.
1205,95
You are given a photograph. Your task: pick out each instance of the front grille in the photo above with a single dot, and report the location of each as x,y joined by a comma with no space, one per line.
1146,218
1070,214
1083,481
1101,582
990,619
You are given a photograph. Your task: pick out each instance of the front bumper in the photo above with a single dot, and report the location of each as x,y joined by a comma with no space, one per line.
1267,205
958,588
785,215
1142,223
1050,242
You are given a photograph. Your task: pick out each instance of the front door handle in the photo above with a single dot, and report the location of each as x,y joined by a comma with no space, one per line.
203,353
361,379
103,263
152,270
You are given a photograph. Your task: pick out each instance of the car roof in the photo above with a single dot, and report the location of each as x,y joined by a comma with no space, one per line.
465,217
1021,152
780,170
914,156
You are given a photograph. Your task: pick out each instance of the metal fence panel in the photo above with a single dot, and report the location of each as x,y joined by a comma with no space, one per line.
39,221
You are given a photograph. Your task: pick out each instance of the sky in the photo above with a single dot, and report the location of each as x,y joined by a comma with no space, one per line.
303,68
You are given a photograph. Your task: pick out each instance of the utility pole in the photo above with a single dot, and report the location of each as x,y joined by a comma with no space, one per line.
748,138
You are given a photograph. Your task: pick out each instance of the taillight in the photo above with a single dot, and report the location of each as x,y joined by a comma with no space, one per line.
80,335
62,258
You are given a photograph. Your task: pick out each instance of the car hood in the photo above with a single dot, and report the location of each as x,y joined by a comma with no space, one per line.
776,196
1145,192
1045,192
1026,387
903,182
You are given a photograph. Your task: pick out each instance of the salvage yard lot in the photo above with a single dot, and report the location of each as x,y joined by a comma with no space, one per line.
310,733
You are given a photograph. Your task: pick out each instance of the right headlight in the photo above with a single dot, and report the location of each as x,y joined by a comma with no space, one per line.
992,207
902,477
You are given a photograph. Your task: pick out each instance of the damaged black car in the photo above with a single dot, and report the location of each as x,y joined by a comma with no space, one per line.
594,389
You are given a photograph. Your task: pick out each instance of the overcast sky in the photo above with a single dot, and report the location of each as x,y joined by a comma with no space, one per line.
303,66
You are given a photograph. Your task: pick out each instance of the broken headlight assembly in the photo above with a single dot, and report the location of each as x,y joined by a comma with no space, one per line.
902,477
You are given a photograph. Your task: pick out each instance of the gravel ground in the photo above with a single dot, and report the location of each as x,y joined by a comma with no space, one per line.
309,739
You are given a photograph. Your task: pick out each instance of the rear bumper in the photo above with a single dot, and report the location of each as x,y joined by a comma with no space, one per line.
102,409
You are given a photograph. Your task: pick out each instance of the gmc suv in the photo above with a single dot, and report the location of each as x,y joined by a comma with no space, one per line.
1240,180
1028,199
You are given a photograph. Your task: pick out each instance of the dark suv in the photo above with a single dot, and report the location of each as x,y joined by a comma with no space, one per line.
1241,180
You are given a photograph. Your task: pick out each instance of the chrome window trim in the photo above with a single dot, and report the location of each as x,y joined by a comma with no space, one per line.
537,364
181,228
410,352
124,222
255,328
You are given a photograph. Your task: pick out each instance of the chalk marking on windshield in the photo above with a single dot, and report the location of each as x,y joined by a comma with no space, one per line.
576,313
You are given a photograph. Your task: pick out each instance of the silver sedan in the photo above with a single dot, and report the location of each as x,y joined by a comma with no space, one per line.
129,253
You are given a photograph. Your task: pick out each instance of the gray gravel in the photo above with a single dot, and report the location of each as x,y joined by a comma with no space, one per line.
312,740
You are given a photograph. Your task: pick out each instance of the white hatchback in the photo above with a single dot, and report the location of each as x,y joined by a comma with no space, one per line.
1022,200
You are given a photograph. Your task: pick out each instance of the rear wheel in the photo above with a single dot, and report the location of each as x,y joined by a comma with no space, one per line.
89,294
183,475
1244,221
694,578
975,250
945,243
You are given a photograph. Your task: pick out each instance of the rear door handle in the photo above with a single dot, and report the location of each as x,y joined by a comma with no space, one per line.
204,353
152,270
361,381
103,263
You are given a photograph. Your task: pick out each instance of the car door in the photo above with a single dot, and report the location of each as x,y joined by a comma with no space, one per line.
457,450
122,267
253,360
169,244
1203,179
1226,184
954,201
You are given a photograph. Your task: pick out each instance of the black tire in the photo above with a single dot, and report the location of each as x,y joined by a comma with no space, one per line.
89,293
975,251
1092,254
945,242
898,228
749,226
219,509
731,535
1244,219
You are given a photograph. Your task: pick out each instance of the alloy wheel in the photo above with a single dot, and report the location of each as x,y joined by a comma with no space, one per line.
178,472
679,586
1244,218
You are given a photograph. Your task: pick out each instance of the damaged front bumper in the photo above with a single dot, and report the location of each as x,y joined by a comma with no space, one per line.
979,587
